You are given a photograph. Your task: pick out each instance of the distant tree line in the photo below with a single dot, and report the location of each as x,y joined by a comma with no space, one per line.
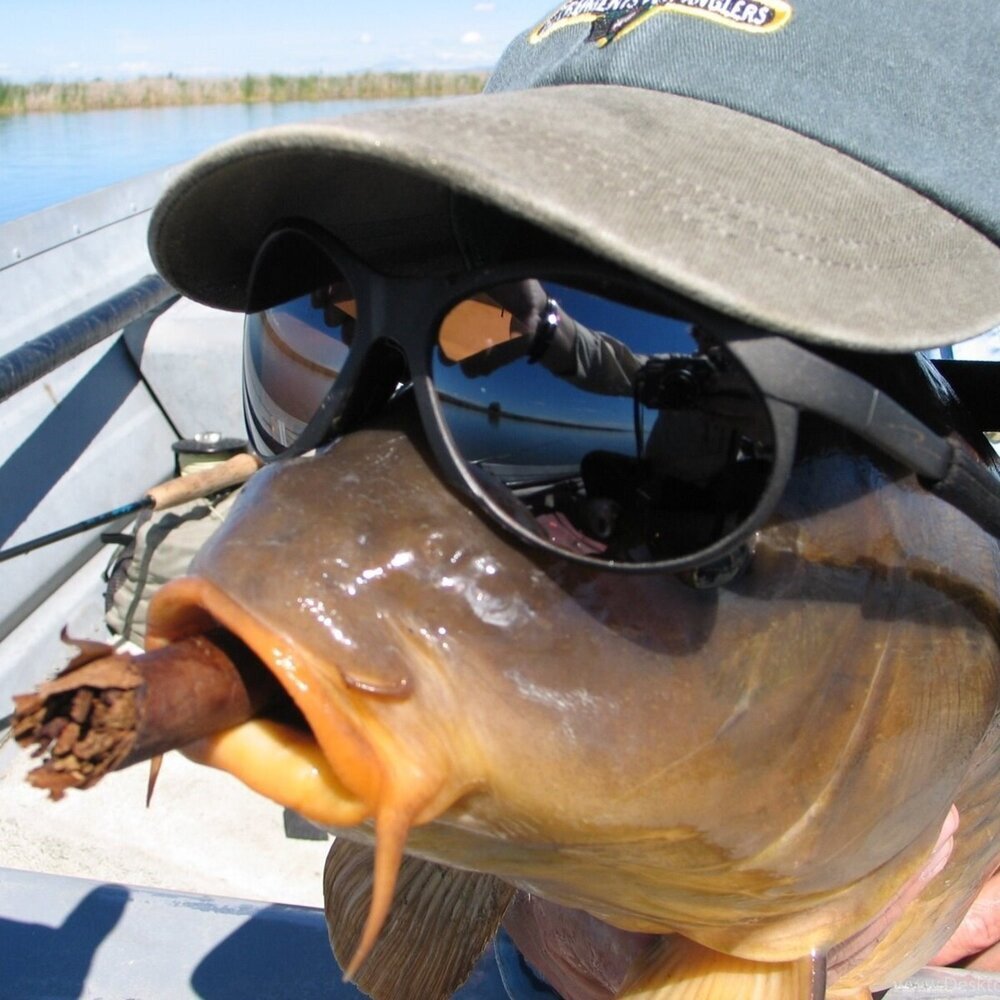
175,91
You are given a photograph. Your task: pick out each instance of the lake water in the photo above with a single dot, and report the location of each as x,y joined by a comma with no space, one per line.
49,158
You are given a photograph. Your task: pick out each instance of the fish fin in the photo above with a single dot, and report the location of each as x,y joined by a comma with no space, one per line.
674,968
440,923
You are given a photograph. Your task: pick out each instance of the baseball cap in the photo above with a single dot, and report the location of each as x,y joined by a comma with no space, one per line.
825,170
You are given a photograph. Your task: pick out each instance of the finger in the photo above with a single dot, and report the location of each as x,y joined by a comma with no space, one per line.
986,961
851,952
979,930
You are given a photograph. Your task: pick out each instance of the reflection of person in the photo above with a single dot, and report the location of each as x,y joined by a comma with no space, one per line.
693,469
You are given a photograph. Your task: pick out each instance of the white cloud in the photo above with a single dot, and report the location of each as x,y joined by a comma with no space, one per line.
472,38
366,38
484,7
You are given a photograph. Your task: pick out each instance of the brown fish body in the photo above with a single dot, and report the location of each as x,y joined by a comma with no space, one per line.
761,767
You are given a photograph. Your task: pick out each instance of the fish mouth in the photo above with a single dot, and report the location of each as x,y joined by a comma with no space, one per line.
324,747
321,748
285,753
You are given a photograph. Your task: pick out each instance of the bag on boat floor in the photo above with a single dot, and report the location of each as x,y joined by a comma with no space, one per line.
160,548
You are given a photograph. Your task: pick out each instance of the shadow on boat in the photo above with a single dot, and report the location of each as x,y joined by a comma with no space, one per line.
85,940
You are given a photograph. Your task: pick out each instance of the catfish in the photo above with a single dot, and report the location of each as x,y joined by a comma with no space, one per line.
747,776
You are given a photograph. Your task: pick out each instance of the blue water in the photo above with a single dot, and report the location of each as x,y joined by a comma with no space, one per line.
49,158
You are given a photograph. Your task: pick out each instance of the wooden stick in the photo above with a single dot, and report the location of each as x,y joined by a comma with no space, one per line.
108,710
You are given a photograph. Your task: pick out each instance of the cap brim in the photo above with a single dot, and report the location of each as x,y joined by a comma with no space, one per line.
739,214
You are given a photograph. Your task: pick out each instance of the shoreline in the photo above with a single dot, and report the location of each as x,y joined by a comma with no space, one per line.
272,88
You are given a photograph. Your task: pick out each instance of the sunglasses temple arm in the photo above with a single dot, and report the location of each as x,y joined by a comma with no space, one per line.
972,488
794,375
943,468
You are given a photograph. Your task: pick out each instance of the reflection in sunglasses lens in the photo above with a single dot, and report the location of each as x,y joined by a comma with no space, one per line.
620,433
293,351
629,437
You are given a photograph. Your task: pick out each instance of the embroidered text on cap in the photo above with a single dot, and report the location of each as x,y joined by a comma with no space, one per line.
610,19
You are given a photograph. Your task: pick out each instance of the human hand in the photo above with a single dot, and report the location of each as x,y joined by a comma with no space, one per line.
525,300
492,330
976,942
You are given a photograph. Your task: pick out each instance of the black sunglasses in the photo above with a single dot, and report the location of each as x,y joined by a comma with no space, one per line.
592,414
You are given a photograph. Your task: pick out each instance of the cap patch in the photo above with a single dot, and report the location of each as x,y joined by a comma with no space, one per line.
610,19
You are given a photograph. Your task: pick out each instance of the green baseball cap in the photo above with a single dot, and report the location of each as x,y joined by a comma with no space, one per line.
826,170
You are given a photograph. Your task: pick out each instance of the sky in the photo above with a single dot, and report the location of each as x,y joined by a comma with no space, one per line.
68,40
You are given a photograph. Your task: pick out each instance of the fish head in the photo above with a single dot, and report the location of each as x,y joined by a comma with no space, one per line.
761,767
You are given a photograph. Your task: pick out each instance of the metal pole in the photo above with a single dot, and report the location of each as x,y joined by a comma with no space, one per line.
38,357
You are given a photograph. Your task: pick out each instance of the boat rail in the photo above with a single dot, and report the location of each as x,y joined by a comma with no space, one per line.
43,354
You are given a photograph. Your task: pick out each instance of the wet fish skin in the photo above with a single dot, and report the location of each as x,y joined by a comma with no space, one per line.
760,768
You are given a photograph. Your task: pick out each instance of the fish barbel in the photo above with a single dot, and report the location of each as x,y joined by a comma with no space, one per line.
757,770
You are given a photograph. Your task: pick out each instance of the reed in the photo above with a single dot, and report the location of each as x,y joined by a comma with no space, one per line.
175,91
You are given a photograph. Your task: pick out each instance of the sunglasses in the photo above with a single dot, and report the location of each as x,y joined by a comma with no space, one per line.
594,415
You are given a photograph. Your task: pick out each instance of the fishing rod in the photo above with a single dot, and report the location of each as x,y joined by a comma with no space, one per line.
232,472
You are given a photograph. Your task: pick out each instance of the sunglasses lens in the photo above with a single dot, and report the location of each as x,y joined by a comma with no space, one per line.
623,434
293,351
594,421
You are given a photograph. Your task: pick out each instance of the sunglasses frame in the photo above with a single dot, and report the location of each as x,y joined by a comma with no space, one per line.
788,376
